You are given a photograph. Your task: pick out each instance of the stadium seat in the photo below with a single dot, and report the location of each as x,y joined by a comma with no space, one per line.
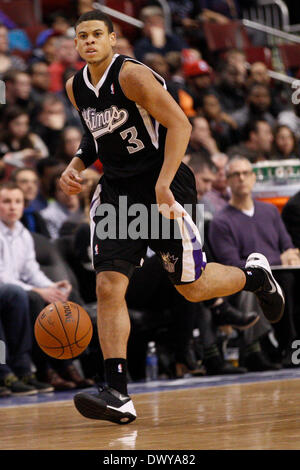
225,36
20,11
259,54
290,56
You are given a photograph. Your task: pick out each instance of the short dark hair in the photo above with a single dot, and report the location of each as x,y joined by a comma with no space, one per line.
252,126
10,185
17,171
96,15
198,162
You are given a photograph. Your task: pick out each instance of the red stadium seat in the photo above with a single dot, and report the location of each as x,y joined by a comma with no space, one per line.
226,36
20,11
259,54
290,55
33,32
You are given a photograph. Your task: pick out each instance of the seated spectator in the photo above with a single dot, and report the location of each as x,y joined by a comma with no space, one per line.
245,226
231,87
16,377
50,121
222,125
19,147
18,266
280,93
201,139
124,47
60,209
257,145
286,144
45,50
256,108
28,181
46,168
155,39
198,80
8,61
40,81
18,90
179,92
219,195
69,144
291,119
291,217
66,57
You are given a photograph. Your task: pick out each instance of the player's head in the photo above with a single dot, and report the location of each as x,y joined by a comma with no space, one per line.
95,36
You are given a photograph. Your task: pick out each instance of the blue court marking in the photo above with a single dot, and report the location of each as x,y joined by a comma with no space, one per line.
161,386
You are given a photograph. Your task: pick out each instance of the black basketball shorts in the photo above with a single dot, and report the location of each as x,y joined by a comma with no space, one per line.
125,221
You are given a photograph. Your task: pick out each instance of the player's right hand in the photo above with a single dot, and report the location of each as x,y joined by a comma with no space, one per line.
71,181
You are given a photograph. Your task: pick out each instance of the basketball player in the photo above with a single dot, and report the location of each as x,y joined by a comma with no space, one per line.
140,134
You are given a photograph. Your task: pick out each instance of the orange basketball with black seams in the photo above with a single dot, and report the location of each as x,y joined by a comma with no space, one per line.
63,330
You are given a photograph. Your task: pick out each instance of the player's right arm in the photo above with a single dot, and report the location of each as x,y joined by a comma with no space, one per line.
70,180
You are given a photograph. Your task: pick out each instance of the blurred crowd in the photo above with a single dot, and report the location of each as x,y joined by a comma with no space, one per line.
239,116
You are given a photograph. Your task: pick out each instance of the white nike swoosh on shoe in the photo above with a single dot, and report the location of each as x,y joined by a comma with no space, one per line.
126,408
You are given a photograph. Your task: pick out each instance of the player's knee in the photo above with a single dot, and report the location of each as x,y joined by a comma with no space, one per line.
108,286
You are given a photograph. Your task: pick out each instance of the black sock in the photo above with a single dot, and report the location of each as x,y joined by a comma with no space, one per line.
116,374
255,278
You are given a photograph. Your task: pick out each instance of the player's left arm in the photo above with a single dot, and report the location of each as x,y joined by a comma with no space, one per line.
139,84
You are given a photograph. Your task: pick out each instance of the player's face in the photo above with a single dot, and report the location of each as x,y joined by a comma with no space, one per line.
93,41
11,206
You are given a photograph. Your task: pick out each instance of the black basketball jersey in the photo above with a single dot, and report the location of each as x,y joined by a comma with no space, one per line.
128,140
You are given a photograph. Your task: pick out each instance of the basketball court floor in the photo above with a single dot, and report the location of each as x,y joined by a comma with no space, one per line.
250,411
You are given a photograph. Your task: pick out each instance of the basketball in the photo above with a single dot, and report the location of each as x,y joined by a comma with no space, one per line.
63,330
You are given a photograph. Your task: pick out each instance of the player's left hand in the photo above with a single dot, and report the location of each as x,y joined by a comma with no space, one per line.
167,205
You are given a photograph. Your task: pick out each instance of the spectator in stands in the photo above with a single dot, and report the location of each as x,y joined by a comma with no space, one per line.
50,121
124,47
58,25
19,146
60,209
16,377
257,107
69,144
8,61
201,139
155,39
18,90
291,217
66,57
286,144
45,49
258,141
245,226
199,80
46,169
219,195
28,181
215,312
231,87
291,117
19,267
259,73
223,127
40,81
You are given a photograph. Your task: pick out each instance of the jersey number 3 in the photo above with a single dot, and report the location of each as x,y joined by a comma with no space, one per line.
137,144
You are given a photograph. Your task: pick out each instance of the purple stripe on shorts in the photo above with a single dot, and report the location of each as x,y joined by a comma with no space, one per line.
197,250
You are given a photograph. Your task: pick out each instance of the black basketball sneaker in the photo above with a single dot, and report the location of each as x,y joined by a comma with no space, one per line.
108,405
270,295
